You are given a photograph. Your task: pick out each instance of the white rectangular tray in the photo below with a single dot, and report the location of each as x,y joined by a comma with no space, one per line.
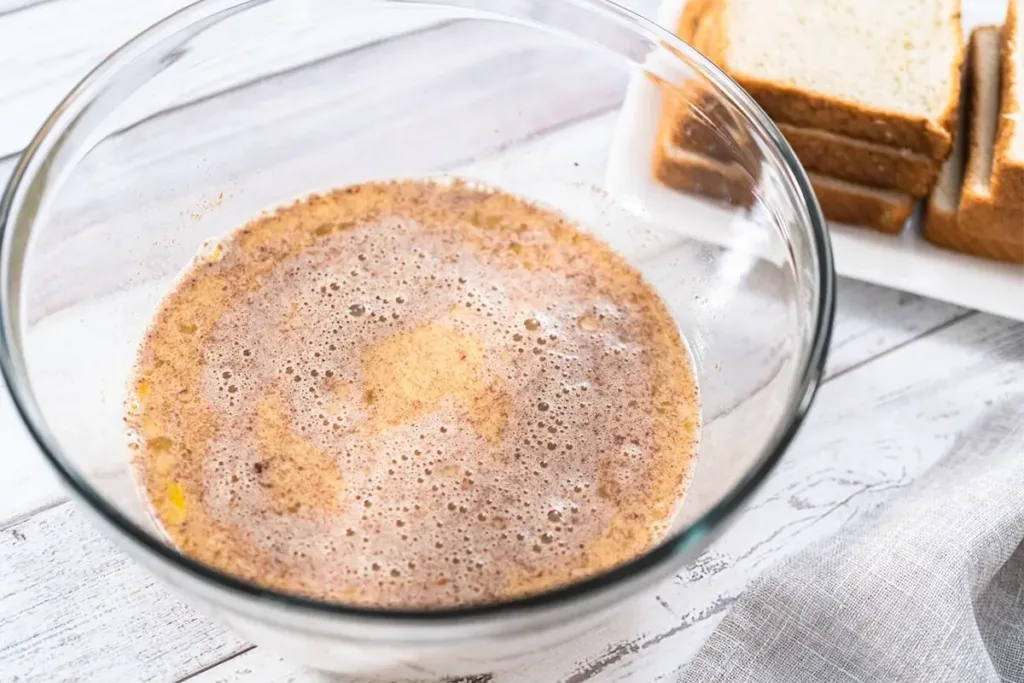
905,261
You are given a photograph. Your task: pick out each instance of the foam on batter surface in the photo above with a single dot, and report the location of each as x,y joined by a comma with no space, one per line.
413,394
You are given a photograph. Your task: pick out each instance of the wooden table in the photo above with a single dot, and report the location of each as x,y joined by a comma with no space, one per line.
905,376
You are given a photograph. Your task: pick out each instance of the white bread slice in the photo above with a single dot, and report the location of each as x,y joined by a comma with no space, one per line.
701,128
962,213
879,70
883,210
866,163
702,175
705,128
940,218
1008,175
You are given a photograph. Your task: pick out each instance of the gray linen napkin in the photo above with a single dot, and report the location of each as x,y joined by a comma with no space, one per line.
928,588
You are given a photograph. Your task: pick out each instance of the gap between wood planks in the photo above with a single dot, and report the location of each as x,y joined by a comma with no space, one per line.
214,665
899,345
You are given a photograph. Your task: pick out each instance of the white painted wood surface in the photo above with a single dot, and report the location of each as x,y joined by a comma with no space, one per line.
905,376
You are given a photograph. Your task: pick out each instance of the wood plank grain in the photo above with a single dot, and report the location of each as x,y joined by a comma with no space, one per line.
833,472
872,320
48,47
134,630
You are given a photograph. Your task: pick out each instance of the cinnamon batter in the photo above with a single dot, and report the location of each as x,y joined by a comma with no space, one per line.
413,394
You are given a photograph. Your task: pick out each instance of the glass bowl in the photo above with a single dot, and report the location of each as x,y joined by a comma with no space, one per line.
232,107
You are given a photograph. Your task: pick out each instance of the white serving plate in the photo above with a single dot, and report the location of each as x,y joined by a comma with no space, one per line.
905,261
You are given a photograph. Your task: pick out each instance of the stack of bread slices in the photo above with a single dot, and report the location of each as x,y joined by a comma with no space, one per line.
865,91
978,205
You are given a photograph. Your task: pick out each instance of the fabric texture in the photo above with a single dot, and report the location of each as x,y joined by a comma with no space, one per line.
927,588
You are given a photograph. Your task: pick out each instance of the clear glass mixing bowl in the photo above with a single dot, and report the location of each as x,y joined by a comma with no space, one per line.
231,107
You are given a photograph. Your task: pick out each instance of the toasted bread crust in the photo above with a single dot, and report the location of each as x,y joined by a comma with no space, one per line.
689,20
693,173
861,162
842,157
702,127
862,206
706,179
981,215
694,120
809,110
791,105
1008,173
983,226
966,231
940,220
840,201
940,226
951,116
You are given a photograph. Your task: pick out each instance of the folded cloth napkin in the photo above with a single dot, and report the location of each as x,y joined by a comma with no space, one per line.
928,588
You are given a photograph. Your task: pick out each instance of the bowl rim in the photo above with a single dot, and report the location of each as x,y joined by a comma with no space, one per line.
673,547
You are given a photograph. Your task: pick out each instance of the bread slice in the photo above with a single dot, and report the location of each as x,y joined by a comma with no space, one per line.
698,160
875,70
983,226
865,163
696,120
940,218
1008,176
700,175
691,16
883,210
703,128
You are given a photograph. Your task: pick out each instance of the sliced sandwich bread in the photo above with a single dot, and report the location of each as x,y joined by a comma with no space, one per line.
698,160
701,175
865,163
695,119
703,128
883,210
1008,172
690,172
943,205
875,70
962,214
